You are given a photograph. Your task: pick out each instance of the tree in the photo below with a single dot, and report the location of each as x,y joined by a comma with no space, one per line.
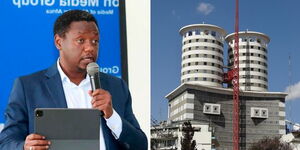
187,142
270,144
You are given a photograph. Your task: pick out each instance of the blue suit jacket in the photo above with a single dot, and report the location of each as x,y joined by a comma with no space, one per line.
44,90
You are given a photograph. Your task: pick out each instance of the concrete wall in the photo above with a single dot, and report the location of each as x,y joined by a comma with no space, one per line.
251,129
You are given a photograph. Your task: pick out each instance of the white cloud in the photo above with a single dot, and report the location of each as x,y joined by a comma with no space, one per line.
173,12
293,91
205,8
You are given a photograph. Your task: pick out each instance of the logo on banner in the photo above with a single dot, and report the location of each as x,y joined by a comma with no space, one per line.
70,3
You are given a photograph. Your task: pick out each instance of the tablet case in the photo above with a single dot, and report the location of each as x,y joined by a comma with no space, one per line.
69,129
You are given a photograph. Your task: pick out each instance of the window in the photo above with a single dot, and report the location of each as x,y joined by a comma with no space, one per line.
197,32
189,64
258,41
213,56
205,40
258,47
213,33
197,55
213,41
190,33
196,63
190,41
205,55
197,40
264,49
204,79
205,47
213,64
206,32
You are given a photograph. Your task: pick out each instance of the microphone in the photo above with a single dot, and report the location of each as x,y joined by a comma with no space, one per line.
93,71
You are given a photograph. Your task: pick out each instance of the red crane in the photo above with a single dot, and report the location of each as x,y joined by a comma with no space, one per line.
233,76
235,82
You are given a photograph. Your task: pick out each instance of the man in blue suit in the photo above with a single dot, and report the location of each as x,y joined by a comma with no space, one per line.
67,85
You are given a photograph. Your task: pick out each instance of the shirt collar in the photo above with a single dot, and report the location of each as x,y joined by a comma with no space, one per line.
65,78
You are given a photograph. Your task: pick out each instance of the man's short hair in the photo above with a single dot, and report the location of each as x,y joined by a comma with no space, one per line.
62,23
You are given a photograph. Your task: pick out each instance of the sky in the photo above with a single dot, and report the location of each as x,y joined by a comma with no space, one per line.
278,19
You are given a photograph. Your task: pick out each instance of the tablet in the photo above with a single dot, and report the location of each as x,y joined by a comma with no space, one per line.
69,129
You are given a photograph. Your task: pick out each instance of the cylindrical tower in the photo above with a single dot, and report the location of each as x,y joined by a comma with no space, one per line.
202,54
252,58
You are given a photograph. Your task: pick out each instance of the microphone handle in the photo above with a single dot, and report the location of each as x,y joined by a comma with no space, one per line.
96,84
95,81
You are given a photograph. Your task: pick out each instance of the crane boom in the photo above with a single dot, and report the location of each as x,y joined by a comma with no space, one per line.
236,81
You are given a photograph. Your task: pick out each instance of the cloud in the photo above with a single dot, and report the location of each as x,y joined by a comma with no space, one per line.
205,8
175,14
293,91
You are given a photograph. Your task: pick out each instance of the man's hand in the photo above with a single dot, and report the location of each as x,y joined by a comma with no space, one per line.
36,142
101,100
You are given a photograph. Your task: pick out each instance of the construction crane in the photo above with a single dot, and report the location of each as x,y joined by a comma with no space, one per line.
236,86
233,76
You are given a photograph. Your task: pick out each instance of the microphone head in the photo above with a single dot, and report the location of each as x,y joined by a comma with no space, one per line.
92,68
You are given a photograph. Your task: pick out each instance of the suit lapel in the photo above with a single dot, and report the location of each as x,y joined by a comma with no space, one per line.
54,87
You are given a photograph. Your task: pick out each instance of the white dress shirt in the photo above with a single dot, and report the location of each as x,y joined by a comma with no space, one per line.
77,97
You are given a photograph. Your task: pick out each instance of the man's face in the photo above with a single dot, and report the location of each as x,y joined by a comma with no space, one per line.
79,47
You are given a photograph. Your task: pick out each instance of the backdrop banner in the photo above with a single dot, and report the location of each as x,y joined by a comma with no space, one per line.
27,37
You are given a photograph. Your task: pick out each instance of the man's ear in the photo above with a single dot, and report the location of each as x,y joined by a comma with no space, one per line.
57,41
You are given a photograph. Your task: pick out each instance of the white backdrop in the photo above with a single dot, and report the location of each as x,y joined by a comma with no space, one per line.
138,40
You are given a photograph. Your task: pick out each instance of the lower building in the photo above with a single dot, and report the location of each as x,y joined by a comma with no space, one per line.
293,138
168,136
262,114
